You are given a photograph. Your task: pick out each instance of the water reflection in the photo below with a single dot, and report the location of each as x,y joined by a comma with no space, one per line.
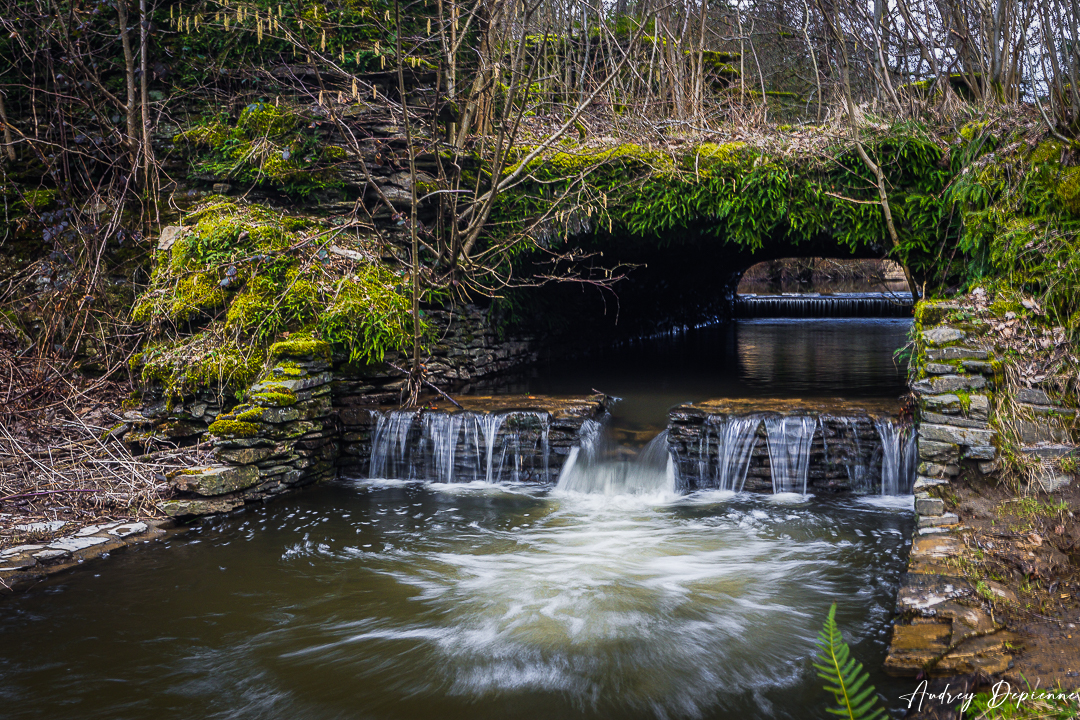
850,358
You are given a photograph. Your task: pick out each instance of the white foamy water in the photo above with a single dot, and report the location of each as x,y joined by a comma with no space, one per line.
650,602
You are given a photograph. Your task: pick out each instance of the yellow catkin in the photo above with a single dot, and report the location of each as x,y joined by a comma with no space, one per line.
226,22
217,17
355,90
301,23
198,19
342,53
357,57
340,98
322,42
188,25
320,97
170,12
387,16
258,32
374,92
429,26
382,62
376,47
279,11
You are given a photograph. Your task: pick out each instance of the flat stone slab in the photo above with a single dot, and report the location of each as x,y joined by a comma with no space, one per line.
955,352
922,483
956,435
74,544
23,565
922,594
51,526
943,335
838,407
19,549
559,407
216,480
949,384
938,520
1050,451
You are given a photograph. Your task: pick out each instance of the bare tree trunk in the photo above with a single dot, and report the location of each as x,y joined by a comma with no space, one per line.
9,142
416,380
129,73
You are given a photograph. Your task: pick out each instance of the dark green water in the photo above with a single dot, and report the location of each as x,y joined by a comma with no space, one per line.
451,602
448,601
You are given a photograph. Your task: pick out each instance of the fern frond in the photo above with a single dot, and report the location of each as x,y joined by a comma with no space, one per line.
844,676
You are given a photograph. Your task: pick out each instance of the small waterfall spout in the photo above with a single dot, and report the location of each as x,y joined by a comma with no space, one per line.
461,447
735,436
898,459
846,450
789,451
391,443
594,468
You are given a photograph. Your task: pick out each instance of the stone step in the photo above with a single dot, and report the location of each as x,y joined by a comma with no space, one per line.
926,521
1051,451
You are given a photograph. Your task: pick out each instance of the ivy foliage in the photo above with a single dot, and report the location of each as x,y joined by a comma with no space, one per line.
735,193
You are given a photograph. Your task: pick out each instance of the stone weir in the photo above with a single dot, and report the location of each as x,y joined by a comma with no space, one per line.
299,424
513,438
791,445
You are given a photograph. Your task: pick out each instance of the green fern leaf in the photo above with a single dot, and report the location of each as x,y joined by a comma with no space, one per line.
844,676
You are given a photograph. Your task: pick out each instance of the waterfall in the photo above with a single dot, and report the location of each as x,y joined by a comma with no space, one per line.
735,435
460,447
848,451
592,468
897,457
822,306
390,457
789,441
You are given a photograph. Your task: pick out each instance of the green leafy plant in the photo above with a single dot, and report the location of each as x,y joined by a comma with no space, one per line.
844,677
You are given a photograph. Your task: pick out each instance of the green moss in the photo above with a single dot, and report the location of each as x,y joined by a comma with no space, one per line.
335,153
972,130
282,398
264,119
1048,151
196,294
200,362
233,428
300,347
208,134
36,200
1068,190
249,416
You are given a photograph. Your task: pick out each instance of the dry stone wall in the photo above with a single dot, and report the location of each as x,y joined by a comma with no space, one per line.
958,381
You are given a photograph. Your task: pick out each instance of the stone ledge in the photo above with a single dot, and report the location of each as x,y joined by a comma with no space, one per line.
24,565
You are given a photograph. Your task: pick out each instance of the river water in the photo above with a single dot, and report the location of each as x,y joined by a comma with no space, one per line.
381,599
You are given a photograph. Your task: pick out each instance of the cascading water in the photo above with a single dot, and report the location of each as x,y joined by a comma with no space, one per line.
594,469
789,441
461,447
847,451
735,441
810,305
898,449
390,456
